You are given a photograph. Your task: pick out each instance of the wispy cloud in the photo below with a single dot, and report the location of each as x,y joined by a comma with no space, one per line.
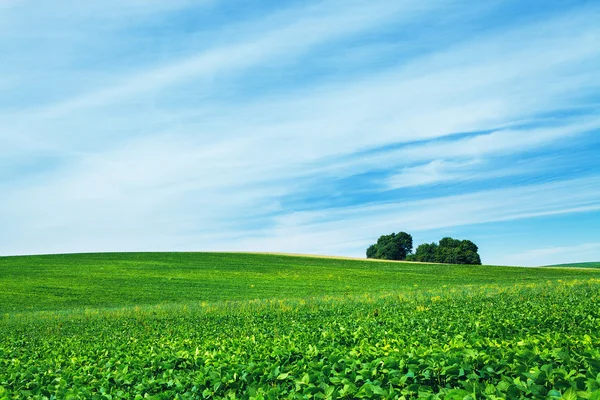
290,33
556,255
433,172
302,231
202,140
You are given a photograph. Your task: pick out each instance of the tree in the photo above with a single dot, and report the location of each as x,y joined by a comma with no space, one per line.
450,251
398,246
391,247
372,251
427,252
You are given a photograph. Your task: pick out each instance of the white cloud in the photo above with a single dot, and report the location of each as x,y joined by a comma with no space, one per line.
155,159
317,25
584,252
461,156
464,159
340,230
435,171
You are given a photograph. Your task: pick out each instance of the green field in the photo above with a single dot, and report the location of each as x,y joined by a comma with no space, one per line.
209,325
64,282
578,265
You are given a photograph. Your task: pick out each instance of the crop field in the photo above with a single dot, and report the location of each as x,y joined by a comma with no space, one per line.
194,325
578,265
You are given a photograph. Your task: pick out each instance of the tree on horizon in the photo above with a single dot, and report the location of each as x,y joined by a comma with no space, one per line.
448,251
391,247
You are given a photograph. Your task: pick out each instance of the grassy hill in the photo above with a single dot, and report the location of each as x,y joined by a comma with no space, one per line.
59,282
255,326
577,265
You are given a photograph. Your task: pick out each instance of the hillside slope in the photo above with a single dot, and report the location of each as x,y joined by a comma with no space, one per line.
54,282
325,328
576,265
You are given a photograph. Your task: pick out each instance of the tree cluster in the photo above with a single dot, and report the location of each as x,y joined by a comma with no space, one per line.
391,247
398,246
450,251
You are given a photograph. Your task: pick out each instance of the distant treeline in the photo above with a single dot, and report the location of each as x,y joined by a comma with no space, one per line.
399,246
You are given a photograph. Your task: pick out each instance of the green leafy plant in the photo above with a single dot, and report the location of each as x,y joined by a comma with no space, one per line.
533,337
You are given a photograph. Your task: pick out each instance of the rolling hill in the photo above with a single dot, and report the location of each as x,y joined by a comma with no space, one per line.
576,265
260,326
59,282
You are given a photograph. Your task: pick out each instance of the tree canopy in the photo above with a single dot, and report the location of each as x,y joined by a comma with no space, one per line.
449,250
398,246
391,247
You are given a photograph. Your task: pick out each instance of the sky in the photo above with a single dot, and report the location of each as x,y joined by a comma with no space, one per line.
300,126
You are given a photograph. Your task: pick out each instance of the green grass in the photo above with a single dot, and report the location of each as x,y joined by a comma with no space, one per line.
578,265
208,325
58,282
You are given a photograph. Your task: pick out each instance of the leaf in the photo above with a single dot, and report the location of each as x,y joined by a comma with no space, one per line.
456,394
595,395
329,391
570,394
554,394
305,379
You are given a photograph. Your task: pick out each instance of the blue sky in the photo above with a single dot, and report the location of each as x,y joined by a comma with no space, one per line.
300,126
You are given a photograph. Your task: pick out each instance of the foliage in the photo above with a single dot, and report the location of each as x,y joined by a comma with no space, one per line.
426,252
148,326
577,265
450,251
58,282
391,247
519,341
